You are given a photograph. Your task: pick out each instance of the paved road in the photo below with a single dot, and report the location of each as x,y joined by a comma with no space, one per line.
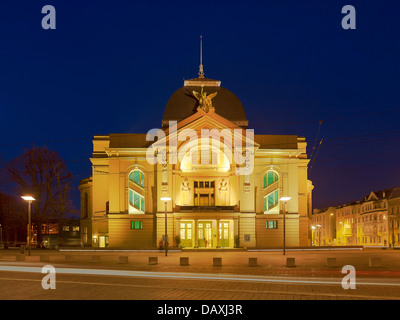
110,284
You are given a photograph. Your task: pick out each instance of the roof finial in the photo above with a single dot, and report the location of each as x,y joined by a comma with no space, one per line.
201,72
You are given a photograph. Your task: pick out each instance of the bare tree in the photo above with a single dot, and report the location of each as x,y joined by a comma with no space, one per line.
43,174
13,219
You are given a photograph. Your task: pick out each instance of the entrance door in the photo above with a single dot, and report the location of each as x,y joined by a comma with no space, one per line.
204,200
103,241
186,234
224,234
205,234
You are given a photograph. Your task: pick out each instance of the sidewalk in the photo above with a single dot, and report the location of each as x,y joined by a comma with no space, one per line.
386,262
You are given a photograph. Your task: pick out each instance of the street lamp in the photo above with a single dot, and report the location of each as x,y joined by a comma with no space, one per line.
29,199
166,199
319,234
284,200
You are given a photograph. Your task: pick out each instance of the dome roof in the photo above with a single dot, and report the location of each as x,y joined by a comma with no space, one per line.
183,103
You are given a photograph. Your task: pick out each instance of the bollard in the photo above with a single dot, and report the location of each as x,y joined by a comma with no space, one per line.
253,262
217,262
184,261
290,262
374,262
153,260
123,259
331,262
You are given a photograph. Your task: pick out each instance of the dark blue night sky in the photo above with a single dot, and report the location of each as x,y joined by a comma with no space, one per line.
111,66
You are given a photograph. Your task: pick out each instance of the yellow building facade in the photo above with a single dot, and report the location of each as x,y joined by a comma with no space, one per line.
372,221
217,199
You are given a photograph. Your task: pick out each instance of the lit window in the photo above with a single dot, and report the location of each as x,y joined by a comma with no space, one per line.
136,225
137,177
271,200
136,202
269,178
186,231
272,224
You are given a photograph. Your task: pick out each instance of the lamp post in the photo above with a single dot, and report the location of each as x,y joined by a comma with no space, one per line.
29,199
313,234
284,200
166,199
319,234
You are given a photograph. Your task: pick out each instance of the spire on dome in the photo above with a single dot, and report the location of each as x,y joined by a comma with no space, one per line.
201,71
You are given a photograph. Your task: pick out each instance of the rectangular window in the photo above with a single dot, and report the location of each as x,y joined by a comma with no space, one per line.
271,200
131,197
136,225
272,224
136,201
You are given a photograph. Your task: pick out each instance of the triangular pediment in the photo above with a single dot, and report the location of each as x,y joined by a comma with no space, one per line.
205,121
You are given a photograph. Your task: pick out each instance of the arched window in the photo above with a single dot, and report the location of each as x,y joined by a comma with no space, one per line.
137,176
136,198
270,177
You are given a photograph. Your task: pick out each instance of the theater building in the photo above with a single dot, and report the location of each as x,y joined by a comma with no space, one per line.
212,205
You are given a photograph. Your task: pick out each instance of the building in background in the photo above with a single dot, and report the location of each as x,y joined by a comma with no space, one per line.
372,221
323,227
58,234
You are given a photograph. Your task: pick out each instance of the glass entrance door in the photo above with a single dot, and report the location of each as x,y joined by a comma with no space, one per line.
205,234
186,234
103,241
224,234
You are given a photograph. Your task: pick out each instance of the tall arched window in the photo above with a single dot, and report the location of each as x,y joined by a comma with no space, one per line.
270,177
137,177
136,196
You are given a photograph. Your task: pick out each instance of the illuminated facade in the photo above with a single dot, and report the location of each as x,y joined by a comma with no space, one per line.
212,206
372,221
323,227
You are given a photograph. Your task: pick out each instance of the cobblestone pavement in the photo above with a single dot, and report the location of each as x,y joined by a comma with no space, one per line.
309,266
21,285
